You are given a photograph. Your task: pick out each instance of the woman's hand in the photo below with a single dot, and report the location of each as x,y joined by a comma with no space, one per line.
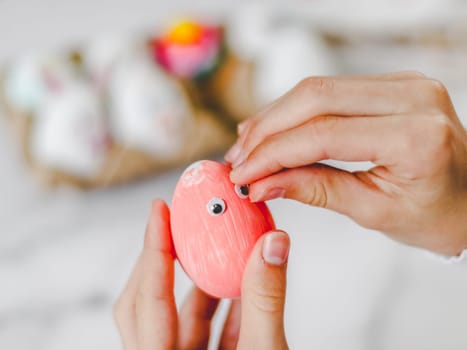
404,123
147,316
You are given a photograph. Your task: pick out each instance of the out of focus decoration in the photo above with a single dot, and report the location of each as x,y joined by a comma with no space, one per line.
124,107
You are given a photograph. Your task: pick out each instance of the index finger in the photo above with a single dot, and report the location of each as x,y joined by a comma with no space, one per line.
318,96
377,140
155,302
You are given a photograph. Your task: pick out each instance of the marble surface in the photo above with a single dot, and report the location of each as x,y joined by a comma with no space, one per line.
65,255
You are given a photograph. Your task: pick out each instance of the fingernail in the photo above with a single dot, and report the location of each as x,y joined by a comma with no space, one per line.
272,193
276,248
233,152
239,160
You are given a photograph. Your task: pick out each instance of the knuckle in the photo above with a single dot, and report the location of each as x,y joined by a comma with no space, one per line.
269,301
323,124
438,87
117,311
316,84
251,124
244,125
436,127
321,129
438,94
143,296
262,148
317,196
328,124
441,134
255,132
416,74
254,135
146,296
441,128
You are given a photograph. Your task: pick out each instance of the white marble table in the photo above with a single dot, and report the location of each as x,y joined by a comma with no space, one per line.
64,255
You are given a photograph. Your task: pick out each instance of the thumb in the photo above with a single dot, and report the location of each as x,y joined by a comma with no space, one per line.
322,186
263,294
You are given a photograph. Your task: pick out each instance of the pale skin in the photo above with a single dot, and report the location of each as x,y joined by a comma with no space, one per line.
404,123
147,316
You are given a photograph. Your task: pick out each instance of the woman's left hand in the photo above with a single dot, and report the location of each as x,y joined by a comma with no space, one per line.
146,312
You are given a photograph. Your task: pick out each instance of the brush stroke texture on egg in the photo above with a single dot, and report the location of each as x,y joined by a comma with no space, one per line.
213,249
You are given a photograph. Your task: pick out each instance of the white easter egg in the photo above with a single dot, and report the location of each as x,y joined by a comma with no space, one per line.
28,79
149,110
103,53
70,132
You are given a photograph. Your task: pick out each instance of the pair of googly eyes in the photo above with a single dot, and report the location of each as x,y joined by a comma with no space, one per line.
216,206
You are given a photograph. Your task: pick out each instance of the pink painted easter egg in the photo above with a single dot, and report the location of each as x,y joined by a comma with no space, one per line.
215,227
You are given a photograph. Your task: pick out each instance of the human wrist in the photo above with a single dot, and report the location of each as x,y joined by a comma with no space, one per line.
458,228
463,225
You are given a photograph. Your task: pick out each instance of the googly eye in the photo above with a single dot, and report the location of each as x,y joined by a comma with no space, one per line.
242,190
216,207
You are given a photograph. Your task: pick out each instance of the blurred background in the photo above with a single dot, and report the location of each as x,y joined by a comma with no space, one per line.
105,103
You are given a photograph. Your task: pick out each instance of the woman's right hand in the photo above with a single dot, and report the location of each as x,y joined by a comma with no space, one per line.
404,123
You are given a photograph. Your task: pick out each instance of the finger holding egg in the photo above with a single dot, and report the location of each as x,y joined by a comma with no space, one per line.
215,227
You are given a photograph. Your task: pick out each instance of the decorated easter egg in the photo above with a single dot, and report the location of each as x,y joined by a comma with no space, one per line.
215,227
30,77
70,133
149,110
189,49
104,53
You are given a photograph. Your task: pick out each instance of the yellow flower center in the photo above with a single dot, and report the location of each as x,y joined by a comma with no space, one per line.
185,33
